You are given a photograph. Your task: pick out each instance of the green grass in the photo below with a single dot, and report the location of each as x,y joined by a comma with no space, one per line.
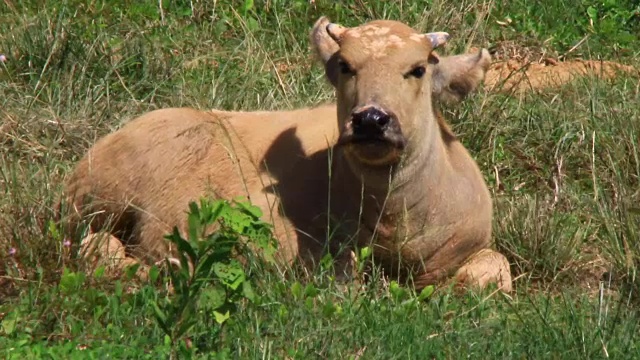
563,166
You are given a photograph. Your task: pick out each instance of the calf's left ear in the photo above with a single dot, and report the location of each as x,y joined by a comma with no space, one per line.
454,77
326,46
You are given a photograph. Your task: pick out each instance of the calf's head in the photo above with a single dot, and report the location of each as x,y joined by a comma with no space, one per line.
386,77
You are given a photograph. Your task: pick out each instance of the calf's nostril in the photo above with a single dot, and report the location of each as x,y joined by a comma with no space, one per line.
382,119
356,119
370,118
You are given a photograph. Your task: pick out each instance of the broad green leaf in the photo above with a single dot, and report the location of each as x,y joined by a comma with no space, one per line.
252,24
160,317
309,303
193,208
328,309
53,231
327,261
183,246
232,275
248,5
118,289
71,281
187,323
99,273
283,312
365,252
131,270
205,267
212,298
21,343
221,317
311,291
194,227
247,291
154,273
250,209
396,290
9,323
296,290
426,292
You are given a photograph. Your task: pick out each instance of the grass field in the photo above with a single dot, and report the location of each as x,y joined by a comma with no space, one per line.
563,167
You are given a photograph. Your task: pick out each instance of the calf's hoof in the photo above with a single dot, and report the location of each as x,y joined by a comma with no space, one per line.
104,249
485,267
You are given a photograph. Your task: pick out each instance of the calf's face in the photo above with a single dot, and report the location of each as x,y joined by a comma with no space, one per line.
383,81
385,74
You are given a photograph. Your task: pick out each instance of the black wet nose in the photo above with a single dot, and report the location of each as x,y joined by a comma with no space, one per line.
370,120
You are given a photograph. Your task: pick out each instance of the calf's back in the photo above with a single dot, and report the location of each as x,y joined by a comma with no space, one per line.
141,178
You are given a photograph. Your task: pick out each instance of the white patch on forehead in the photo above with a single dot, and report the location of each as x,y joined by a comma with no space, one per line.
381,31
378,46
368,30
375,40
395,40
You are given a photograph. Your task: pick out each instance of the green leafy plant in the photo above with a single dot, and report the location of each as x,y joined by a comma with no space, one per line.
210,280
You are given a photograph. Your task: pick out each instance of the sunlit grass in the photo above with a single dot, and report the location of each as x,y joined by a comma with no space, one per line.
563,167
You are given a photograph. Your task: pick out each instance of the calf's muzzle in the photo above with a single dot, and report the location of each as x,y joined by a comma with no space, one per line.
370,123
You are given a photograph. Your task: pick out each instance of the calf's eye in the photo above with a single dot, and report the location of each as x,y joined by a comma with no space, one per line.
345,68
417,72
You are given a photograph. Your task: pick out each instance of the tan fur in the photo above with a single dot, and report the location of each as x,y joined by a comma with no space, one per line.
104,249
424,209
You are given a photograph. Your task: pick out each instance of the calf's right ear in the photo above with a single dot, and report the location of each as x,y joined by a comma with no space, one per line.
325,47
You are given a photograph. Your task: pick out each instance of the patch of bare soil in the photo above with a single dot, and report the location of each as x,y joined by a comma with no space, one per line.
518,76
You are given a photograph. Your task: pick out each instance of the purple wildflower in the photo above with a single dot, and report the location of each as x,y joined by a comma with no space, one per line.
3,58
12,251
66,243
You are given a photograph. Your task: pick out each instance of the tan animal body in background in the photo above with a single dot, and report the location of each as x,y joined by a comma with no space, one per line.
380,167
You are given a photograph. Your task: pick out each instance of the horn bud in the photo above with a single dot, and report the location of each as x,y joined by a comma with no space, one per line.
437,39
336,31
